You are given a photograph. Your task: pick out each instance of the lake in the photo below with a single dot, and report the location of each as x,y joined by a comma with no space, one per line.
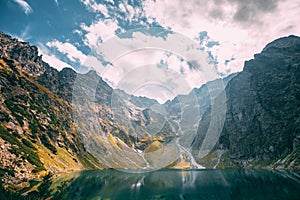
178,184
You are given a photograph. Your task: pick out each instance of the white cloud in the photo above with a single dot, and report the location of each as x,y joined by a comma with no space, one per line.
77,31
104,28
69,50
92,62
240,34
130,56
76,55
101,29
98,32
242,29
95,7
25,6
51,59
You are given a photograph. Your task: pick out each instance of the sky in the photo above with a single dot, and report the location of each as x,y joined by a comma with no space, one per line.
154,48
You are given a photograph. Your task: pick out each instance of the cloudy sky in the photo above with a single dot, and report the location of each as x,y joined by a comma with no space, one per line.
219,35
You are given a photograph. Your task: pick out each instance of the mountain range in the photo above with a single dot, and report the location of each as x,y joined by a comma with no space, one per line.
63,121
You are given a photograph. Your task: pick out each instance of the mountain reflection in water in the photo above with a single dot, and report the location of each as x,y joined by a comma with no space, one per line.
177,184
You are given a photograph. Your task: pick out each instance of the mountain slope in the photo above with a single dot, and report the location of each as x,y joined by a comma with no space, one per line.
35,129
43,124
263,111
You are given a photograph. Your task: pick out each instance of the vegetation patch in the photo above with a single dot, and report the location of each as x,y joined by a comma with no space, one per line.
18,148
46,142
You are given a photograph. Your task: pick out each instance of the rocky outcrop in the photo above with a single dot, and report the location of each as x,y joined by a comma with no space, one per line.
21,52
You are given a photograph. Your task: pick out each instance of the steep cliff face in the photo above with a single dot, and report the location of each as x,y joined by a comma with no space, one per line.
188,109
263,107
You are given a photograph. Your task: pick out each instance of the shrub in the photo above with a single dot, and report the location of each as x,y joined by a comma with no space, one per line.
28,144
46,142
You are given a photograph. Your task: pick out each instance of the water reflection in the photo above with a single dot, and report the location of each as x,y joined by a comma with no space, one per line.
177,184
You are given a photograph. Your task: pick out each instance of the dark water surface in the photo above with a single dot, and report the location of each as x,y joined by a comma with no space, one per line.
179,184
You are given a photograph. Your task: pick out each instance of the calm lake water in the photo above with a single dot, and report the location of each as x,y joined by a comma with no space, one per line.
178,184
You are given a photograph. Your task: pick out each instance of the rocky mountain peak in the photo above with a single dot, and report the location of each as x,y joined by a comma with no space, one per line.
23,54
291,41
67,71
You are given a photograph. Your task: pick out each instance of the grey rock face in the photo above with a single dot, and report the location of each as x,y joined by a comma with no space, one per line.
263,102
